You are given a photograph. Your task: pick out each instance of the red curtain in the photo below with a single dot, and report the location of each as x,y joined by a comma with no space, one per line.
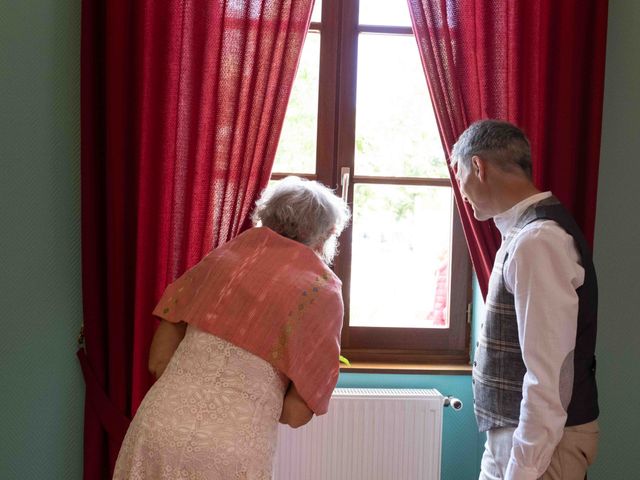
538,64
182,103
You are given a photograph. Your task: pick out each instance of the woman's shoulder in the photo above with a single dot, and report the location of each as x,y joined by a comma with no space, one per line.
277,252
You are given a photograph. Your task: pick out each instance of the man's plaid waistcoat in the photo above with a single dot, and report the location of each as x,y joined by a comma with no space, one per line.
499,370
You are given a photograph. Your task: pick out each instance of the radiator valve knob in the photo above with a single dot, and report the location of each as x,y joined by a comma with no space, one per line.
453,402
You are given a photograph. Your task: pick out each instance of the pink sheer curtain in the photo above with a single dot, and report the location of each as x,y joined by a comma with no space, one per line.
182,107
538,64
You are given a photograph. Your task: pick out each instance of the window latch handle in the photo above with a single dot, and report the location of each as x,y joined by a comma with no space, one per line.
345,173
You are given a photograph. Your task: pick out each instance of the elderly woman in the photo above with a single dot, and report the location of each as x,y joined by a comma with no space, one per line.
249,336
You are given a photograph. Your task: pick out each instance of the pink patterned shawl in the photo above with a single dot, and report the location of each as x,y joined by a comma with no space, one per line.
273,297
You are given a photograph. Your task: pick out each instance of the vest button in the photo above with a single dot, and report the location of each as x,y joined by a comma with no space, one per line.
475,364
477,344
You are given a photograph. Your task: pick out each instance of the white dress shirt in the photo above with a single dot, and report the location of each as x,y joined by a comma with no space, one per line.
543,273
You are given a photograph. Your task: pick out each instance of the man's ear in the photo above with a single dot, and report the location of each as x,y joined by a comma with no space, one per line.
479,167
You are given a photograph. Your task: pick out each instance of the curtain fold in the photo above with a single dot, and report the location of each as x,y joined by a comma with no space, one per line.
182,104
538,64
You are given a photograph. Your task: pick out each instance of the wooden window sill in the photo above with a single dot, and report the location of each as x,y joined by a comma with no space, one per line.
410,368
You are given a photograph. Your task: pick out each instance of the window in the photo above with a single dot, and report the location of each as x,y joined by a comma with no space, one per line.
360,120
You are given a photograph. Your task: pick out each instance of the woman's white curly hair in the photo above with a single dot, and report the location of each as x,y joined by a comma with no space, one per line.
305,211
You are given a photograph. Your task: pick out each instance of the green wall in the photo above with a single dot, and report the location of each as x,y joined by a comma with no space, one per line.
41,391
617,255
40,303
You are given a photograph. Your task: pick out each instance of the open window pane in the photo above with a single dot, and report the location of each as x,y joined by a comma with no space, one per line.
297,148
385,12
400,256
396,130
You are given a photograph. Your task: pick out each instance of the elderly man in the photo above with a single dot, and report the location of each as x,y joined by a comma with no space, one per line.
534,370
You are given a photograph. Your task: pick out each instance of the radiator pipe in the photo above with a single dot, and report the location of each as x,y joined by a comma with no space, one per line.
453,402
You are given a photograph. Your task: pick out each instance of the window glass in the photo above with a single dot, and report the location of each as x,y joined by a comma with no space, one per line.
317,11
385,12
297,147
400,256
396,130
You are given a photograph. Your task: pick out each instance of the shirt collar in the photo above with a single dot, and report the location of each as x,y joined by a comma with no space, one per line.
507,219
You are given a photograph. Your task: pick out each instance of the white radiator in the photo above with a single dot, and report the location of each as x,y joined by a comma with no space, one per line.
368,434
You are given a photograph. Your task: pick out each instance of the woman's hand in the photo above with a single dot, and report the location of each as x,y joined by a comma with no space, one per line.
165,341
295,411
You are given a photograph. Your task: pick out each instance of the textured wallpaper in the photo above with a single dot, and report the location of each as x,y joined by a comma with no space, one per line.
41,390
617,238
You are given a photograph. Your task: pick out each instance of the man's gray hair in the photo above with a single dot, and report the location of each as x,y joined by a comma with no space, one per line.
302,210
497,141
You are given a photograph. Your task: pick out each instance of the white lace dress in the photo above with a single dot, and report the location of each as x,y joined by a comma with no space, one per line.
213,414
